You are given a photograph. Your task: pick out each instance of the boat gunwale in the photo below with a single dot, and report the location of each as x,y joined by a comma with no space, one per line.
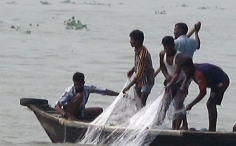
79,124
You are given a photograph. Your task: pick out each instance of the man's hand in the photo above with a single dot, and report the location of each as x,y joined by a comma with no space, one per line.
188,107
197,27
168,79
65,115
167,88
130,73
126,89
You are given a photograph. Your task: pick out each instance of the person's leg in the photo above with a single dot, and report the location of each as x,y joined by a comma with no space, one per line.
185,123
216,97
164,107
212,115
74,105
178,104
143,98
179,97
145,91
92,113
137,91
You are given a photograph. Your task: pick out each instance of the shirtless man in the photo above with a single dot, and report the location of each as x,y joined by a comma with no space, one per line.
169,64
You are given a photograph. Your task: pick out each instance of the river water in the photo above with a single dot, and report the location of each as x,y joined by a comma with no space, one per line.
41,64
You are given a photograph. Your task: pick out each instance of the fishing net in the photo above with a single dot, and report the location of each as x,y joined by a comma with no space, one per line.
123,107
127,122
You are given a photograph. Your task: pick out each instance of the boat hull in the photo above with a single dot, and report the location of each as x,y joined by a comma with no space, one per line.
61,130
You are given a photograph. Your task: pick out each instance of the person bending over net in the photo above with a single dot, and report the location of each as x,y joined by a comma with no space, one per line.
206,76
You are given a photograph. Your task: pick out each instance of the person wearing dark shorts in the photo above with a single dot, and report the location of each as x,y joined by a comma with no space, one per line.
206,76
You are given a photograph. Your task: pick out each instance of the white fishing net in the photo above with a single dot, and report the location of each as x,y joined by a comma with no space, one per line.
123,107
137,131
131,123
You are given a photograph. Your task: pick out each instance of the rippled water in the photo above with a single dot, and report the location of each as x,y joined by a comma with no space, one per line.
40,64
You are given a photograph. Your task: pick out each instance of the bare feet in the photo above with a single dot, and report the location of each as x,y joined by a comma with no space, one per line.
184,128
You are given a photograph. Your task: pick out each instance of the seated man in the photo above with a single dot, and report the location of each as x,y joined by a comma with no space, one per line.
72,103
206,75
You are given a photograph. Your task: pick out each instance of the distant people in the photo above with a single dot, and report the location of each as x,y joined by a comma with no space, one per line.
79,25
71,24
143,69
169,64
72,103
206,76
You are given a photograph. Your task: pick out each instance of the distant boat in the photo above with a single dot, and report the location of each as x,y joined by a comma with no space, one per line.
61,130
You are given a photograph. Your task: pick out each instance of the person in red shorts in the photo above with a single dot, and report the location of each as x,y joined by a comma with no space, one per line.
206,76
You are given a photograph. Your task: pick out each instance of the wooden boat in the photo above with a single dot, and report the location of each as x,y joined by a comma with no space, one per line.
61,130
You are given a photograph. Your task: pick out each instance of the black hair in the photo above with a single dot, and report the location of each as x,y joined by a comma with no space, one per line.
78,77
168,40
137,35
186,62
183,27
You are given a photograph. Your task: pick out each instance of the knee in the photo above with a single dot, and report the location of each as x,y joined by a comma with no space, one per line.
210,105
78,95
77,98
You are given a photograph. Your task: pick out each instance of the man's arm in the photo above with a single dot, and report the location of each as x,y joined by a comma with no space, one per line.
197,28
66,96
111,93
202,87
157,71
61,111
130,73
140,69
162,66
179,57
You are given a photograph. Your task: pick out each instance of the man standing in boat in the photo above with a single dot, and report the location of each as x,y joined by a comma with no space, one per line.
143,69
206,76
169,64
72,103
187,46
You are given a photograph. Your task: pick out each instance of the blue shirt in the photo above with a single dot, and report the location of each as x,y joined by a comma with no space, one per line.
70,92
185,45
212,74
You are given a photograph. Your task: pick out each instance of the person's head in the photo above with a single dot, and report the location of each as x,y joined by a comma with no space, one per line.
168,45
187,66
78,79
180,29
136,38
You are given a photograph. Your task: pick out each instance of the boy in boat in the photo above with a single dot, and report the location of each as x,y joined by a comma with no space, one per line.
143,69
72,103
206,76
169,64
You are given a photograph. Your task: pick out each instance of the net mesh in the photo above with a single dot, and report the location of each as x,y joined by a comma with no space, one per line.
129,123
